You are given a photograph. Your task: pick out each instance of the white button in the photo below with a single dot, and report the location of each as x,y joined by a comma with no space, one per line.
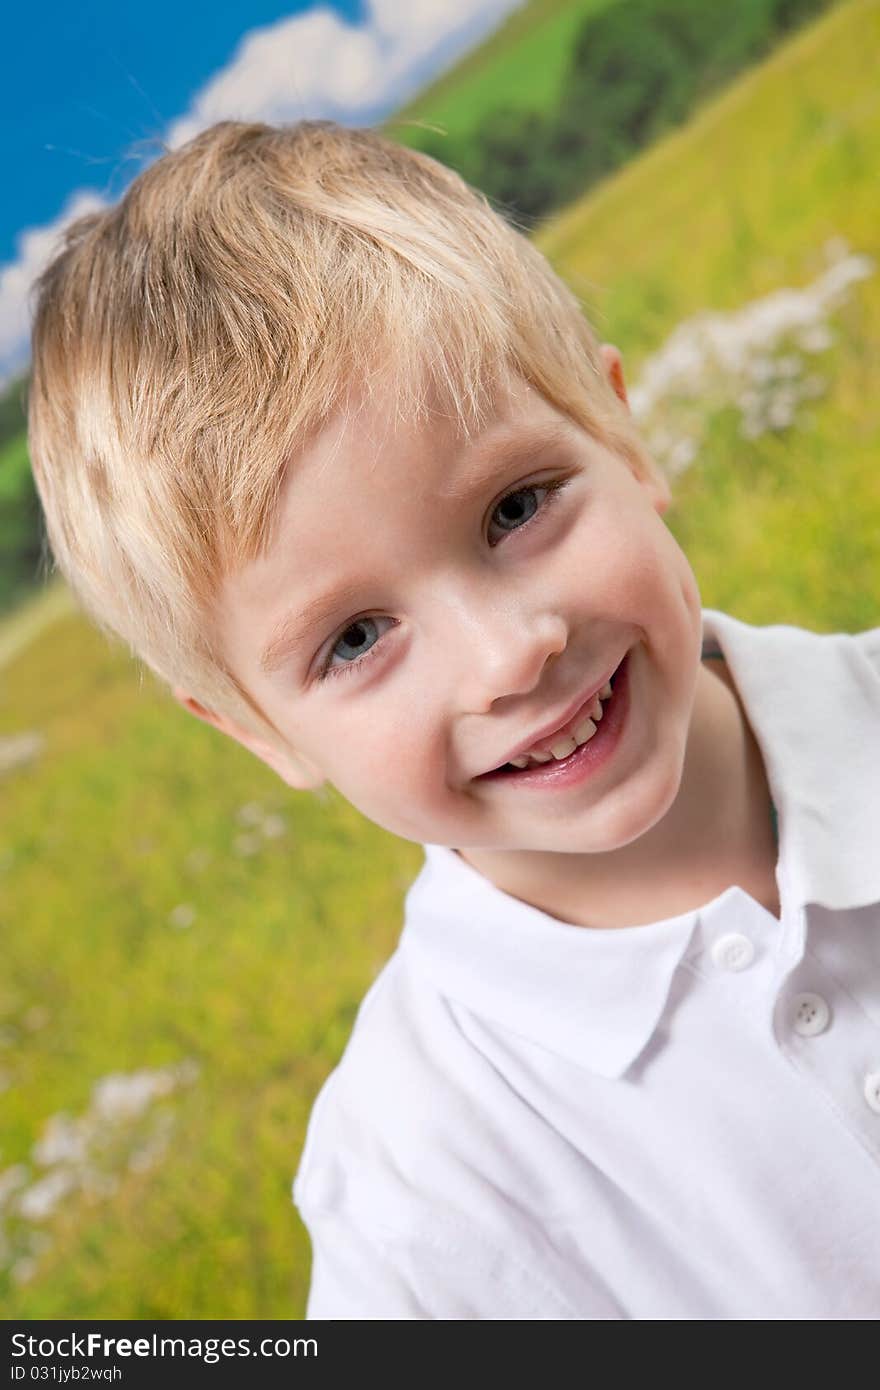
811,1014
872,1090
733,951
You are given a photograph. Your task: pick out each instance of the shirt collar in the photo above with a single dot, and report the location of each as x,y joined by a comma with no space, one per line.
593,996
813,702
596,996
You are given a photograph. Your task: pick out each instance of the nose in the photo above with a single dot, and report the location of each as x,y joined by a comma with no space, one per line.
506,655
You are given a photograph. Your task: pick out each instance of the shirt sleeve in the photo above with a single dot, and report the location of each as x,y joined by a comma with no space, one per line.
442,1271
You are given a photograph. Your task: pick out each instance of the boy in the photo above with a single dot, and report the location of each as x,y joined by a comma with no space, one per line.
332,447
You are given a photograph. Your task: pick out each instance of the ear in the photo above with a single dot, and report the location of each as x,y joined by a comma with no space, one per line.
298,772
655,481
613,364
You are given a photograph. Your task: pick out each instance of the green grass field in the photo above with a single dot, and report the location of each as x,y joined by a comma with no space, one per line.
522,64
134,809
739,203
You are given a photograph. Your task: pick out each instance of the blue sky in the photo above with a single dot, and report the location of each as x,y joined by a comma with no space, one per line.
92,85
90,79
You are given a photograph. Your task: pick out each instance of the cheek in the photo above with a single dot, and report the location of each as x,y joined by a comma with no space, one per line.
370,755
399,783
648,563
614,564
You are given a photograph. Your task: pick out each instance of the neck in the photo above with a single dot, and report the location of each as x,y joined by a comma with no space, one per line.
717,831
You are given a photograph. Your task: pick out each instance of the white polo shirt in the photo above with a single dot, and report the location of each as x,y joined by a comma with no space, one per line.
533,1119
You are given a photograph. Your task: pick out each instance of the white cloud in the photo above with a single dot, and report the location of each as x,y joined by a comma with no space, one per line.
313,60
35,247
313,64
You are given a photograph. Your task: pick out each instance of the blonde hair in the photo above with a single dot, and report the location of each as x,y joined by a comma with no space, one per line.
190,340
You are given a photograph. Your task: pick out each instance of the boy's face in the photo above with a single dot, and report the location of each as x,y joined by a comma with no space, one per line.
461,628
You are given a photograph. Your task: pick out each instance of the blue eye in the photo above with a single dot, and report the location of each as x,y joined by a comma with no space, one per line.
353,645
517,511
357,637
518,507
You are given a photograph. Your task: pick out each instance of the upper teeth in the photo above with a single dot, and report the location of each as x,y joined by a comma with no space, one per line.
564,744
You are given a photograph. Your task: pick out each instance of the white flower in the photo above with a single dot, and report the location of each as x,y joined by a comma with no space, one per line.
11,1180
124,1096
815,338
64,1140
40,1200
740,359
183,915
682,454
23,1269
781,414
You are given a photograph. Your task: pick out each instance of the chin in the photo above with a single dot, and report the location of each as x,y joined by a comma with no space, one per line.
645,807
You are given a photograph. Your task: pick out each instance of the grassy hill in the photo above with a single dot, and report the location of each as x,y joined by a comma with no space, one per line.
740,203
149,920
522,64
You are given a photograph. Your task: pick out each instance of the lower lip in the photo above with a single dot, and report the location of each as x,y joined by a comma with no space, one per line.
588,758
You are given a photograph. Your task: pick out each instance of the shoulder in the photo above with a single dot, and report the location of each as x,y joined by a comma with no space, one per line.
415,1118
400,1086
400,1184
867,644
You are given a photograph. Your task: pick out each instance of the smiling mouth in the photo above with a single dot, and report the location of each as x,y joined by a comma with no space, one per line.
566,744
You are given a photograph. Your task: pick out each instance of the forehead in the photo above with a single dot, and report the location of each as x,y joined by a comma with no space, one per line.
371,450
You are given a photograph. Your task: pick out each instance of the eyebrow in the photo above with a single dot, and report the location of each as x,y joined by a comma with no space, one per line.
496,453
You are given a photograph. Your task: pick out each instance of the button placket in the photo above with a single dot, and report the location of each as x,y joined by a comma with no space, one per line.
846,1066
